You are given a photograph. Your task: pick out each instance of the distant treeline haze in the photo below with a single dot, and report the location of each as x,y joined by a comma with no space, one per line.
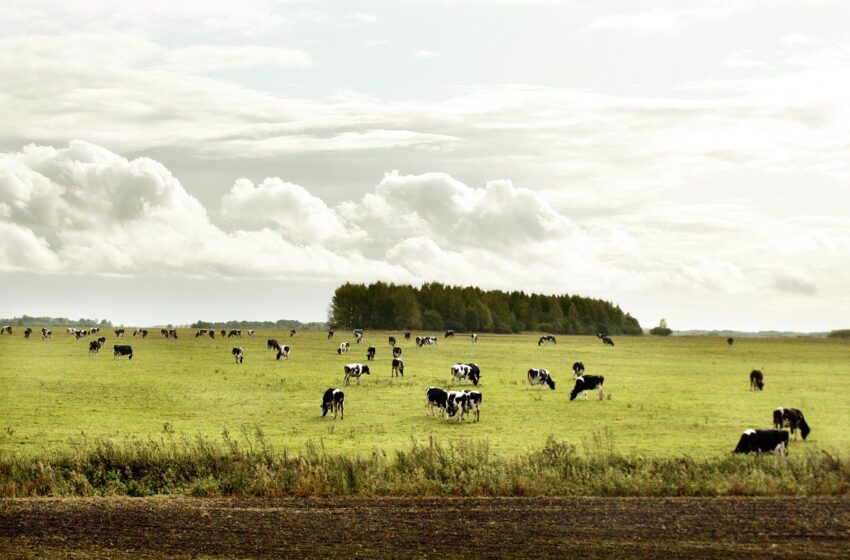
437,307
26,320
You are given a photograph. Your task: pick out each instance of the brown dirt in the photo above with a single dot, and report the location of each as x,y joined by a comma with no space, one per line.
426,528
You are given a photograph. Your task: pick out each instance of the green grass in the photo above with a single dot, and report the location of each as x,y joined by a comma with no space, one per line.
668,396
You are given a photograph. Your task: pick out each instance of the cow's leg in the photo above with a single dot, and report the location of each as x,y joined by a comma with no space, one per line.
600,392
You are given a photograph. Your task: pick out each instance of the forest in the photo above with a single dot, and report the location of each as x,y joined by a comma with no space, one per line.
437,307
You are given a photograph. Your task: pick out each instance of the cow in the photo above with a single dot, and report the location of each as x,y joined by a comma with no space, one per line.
407,335
398,367
102,340
292,333
606,340
791,418
763,441
163,333
119,333
238,354
212,334
272,344
333,400
250,332
95,346
473,404
28,332
436,398
122,350
200,332
426,341
223,332
95,330
730,341
144,333
71,331
236,333
330,334
466,371
756,380
585,383
356,371
397,352
578,368
343,348
283,352
172,333
358,336
539,377
391,340
449,334
46,334
370,353
546,339
474,337
463,402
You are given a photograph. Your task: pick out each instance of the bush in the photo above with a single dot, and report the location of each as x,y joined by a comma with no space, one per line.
660,331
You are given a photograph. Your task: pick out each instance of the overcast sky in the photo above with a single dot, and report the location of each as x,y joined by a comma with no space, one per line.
166,161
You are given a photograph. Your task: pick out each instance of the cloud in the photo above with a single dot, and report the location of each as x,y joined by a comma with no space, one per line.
215,57
425,54
657,20
377,43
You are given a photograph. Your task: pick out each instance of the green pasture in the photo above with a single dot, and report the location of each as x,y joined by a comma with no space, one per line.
664,396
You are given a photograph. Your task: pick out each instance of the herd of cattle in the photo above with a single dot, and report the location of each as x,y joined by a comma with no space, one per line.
459,403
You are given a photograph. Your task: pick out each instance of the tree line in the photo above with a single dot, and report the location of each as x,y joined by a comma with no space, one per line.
27,321
437,307
281,324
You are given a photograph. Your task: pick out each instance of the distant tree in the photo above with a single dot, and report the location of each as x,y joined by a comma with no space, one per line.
661,329
841,333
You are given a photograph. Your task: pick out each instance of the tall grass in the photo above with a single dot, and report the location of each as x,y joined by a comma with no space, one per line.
248,466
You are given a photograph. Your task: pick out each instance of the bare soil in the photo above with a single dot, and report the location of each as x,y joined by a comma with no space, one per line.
426,528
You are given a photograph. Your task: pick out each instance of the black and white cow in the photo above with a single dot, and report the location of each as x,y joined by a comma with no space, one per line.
223,332
763,441
474,337
370,353
426,341
95,346
436,398
212,334
172,333
144,333
238,354
330,334
539,377
466,371
119,333
272,344
333,400
449,334
585,383
358,336
250,332
282,352
397,352
407,335
578,368
547,339
236,333
27,332
343,348
292,333
122,350
398,367
200,332
791,418
463,402
46,334
6,330
473,404
163,333
730,341
102,340
356,371
756,380
391,341
606,340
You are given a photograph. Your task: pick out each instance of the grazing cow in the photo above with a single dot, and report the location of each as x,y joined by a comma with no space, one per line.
763,441
70,331
791,418
578,368
391,340
355,371
343,348
238,354
172,333
358,336
237,333
200,332
466,371
606,340
426,341
272,344
449,334
397,352
407,335
283,352
756,380
546,339
474,337
250,332
463,402
333,400
95,346
122,350
436,399
163,332
330,335
473,404
101,339
46,334
223,332
292,333
144,333
398,367
730,341
28,332
539,377
119,333
585,383
212,334
370,353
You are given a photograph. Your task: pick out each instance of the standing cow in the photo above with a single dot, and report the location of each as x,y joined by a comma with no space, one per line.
333,400
238,354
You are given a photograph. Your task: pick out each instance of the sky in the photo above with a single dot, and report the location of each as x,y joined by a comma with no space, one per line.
168,161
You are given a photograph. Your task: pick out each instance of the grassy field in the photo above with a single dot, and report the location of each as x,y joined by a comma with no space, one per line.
666,396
